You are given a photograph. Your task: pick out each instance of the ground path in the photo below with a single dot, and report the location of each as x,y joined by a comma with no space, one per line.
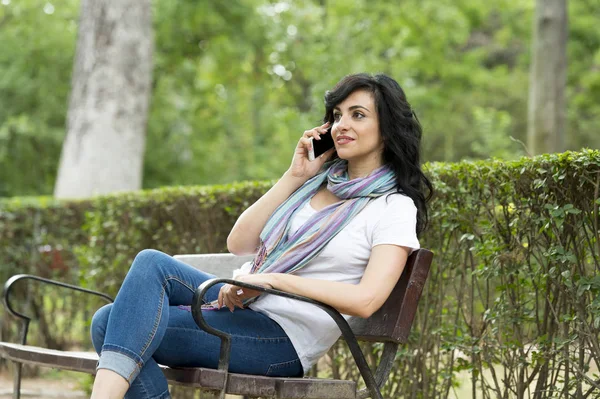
48,386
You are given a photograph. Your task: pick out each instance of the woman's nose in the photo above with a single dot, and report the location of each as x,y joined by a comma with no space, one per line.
342,125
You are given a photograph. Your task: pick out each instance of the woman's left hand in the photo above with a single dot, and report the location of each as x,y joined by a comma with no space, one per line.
233,295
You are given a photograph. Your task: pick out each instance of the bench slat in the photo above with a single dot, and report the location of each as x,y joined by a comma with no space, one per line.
238,384
75,361
316,388
393,321
195,377
220,265
207,379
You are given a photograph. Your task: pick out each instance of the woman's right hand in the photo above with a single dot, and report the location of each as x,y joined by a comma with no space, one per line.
301,167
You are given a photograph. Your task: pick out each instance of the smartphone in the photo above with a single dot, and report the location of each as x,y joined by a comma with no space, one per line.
320,146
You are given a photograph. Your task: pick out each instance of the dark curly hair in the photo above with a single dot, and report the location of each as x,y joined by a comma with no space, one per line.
400,130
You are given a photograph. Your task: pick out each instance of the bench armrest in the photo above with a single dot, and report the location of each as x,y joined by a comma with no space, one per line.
343,325
26,319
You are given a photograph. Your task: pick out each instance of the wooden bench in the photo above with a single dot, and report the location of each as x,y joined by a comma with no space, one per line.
391,325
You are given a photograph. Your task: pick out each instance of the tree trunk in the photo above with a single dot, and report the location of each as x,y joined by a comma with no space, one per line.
106,123
548,76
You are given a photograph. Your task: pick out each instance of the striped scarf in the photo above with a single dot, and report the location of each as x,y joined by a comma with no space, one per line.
280,252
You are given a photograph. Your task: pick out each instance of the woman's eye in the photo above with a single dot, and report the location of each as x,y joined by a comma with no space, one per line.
358,115
336,116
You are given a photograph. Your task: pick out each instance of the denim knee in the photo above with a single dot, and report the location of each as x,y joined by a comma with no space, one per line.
146,262
145,255
98,326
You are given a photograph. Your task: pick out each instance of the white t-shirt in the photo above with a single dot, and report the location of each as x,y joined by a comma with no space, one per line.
389,219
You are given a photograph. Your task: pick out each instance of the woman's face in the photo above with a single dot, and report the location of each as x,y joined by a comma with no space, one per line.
355,129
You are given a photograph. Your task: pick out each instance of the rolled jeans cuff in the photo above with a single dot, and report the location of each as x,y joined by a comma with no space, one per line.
115,360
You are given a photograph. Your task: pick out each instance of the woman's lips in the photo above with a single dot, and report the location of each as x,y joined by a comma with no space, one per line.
344,140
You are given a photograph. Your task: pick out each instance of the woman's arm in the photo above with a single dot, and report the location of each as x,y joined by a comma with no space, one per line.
244,237
363,299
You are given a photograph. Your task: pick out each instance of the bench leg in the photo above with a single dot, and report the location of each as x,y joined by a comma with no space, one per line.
17,380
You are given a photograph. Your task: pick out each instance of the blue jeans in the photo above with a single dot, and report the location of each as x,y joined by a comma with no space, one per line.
150,323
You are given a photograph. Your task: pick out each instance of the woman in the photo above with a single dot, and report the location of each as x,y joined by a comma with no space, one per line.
335,231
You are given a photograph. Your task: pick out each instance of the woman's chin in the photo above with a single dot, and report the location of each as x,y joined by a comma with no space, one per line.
344,155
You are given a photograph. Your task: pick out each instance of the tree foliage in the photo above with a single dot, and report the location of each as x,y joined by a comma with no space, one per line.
236,82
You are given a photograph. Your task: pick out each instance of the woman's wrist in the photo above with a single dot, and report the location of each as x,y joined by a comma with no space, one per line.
273,280
293,180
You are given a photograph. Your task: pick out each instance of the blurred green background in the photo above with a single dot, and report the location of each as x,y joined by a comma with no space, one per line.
236,82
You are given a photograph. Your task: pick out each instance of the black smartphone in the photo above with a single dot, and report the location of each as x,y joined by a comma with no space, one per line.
321,146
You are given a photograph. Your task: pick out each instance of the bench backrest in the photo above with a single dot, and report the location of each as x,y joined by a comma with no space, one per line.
391,323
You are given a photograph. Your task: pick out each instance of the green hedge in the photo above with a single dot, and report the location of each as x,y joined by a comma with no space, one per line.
511,309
